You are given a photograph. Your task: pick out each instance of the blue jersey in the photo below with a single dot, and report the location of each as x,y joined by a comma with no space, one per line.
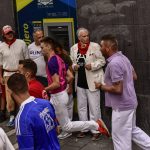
36,125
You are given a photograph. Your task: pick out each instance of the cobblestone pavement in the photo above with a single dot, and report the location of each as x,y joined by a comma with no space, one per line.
71,143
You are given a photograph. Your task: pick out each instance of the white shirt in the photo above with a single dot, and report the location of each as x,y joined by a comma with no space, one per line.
36,55
10,56
4,141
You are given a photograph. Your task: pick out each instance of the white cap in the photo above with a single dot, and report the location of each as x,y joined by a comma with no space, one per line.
6,29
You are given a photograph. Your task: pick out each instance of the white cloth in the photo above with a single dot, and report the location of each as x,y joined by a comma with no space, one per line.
60,101
10,56
4,141
87,99
97,61
37,56
124,130
70,106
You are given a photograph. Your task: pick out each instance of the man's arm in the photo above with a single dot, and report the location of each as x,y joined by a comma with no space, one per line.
116,88
25,51
70,80
55,84
69,76
99,60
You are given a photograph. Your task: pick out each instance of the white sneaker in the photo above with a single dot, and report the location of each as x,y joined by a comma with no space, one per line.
11,122
64,135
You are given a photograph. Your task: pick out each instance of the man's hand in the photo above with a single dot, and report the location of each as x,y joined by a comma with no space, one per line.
45,95
98,85
88,67
76,67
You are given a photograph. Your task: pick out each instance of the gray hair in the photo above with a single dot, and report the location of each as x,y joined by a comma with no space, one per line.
81,29
37,30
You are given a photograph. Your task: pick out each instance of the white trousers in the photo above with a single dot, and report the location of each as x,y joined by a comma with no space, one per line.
124,130
5,143
70,106
85,99
60,101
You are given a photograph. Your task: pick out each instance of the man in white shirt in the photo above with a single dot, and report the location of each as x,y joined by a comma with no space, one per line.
37,56
87,64
11,51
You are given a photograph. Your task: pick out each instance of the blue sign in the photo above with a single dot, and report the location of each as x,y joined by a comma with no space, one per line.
30,14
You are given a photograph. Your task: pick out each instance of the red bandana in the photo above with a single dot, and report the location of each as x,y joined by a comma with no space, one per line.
10,42
83,50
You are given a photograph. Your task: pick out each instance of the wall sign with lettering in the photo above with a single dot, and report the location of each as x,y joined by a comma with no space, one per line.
30,14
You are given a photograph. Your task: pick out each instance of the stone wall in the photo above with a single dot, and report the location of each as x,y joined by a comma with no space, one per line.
129,21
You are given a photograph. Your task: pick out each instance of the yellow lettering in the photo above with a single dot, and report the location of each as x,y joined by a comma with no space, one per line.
26,34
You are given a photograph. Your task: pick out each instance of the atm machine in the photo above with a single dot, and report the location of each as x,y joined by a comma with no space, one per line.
61,30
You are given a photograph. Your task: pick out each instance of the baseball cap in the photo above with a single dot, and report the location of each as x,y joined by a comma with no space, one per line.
6,29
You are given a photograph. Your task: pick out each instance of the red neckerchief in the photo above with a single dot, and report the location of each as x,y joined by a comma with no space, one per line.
10,42
83,50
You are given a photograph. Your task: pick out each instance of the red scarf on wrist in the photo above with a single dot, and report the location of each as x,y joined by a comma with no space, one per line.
10,42
83,50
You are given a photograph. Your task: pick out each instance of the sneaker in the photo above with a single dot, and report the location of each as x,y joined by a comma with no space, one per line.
102,128
81,135
96,136
64,135
11,122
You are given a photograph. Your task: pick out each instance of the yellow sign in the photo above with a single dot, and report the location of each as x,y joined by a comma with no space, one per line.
22,3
